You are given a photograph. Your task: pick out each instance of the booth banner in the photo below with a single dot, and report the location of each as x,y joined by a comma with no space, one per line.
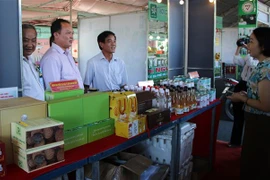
219,22
157,11
247,13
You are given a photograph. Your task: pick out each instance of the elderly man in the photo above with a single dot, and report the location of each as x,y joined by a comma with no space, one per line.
32,83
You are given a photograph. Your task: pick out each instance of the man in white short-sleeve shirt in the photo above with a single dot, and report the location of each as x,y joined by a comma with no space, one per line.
57,64
32,84
105,71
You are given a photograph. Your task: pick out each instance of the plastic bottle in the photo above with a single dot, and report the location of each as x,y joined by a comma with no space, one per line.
168,100
179,105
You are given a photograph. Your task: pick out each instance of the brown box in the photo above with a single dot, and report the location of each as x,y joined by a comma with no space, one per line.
157,117
12,110
144,100
132,169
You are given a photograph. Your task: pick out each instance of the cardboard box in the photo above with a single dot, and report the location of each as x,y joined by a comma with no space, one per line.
75,137
118,106
132,104
2,159
40,157
37,132
128,166
137,167
100,129
144,100
129,129
95,107
157,117
12,110
67,110
64,94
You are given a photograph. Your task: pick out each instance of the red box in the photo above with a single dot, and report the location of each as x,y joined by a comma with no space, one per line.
2,159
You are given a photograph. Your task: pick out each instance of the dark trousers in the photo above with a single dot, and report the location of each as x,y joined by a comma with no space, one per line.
238,112
255,156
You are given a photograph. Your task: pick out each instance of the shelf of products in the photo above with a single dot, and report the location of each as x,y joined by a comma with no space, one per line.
95,151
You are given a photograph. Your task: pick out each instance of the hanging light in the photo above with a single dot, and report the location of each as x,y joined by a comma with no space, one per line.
158,37
159,1
211,1
151,37
181,2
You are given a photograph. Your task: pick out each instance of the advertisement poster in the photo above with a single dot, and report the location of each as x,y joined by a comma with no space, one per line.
247,22
247,13
157,60
218,47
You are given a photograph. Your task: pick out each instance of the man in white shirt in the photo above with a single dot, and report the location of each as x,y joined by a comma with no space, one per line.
32,83
57,63
105,71
248,63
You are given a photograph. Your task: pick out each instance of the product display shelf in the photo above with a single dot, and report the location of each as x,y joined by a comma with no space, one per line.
95,151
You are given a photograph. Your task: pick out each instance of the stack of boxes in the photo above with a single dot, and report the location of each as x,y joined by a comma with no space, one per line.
12,110
86,118
37,143
123,109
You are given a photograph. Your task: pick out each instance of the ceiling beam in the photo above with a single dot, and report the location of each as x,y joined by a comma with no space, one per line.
56,15
49,2
125,4
36,9
86,14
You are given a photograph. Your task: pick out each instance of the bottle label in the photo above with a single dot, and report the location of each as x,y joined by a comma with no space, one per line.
179,111
186,109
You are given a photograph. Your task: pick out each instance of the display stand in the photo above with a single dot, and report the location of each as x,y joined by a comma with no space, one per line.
98,150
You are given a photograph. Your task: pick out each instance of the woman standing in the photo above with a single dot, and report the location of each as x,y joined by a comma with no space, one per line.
255,158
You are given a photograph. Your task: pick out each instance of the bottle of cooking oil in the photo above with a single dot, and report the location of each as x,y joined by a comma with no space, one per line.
184,98
179,104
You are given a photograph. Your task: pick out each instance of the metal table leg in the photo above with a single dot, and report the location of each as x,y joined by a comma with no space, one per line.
175,155
95,170
212,143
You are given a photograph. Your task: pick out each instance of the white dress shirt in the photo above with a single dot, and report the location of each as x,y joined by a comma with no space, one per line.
248,64
58,65
31,84
105,75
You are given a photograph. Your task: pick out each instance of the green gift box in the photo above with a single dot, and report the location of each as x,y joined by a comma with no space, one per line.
75,137
95,107
67,110
64,94
100,129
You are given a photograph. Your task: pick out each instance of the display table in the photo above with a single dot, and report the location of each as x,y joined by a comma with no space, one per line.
98,150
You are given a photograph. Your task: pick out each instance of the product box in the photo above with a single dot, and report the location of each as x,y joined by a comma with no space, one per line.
118,106
75,137
100,129
128,166
144,100
132,104
2,159
37,132
129,129
95,107
157,117
13,110
40,157
67,110
64,94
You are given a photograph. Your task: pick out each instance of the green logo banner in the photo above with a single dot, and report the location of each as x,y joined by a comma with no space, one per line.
219,22
247,13
157,11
